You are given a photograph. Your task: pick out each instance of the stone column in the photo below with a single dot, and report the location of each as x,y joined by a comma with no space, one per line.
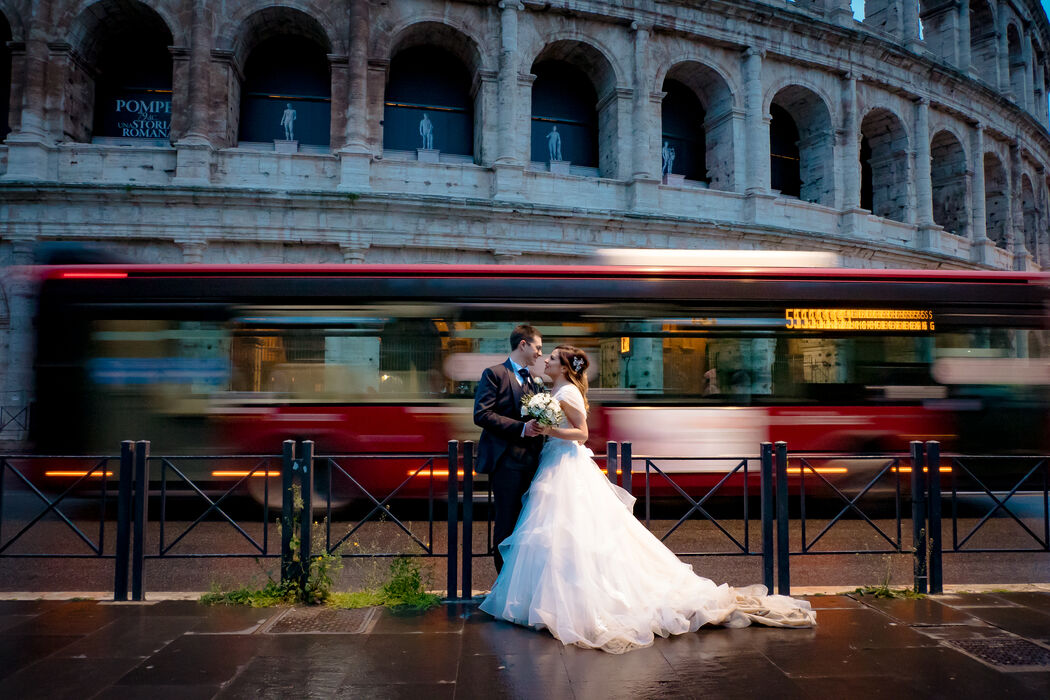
27,154
1029,83
1039,81
1043,241
339,83
192,250
980,232
850,160
485,93
355,156
194,149
962,37
354,252
509,166
1015,219
757,124
923,177
910,19
17,373
1004,50
840,12
641,154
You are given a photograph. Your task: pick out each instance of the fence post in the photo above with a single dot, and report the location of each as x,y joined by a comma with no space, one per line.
306,521
918,517
468,519
453,516
626,472
141,513
610,460
288,467
765,485
933,531
120,571
783,548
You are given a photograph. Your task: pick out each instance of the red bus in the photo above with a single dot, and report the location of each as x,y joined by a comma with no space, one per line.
696,361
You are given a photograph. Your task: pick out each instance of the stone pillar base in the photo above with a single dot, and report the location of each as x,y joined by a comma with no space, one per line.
27,158
758,206
928,237
192,162
985,252
284,146
643,194
558,167
428,155
841,16
853,222
355,166
1024,262
674,180
508,181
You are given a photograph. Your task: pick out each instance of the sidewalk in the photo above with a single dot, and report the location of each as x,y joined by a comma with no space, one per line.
960,645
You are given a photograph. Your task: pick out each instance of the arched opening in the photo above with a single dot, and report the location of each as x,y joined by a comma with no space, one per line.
996,201
428,84
682,132
572,80
714,136
866,192
286,73
1017,64
785,174
125,77
887,163
1030,217
984,54
287,79
948,177
801,146
5,77
564,100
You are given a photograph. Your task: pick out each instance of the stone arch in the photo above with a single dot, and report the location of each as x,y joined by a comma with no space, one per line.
984,42
14,20
251,26
5,76
86,22
1016,63
120,83
441,31
948,175
270,82
713,91
445,63
887,140
815,146
558,64
1030,217
996,201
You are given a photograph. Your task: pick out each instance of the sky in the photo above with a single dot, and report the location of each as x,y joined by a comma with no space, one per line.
858,8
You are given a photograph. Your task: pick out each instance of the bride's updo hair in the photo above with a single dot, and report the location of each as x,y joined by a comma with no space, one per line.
576,363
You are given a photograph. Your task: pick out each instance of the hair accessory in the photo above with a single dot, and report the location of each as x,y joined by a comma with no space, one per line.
577,364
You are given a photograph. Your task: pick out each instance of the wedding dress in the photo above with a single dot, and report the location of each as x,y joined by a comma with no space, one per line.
582,566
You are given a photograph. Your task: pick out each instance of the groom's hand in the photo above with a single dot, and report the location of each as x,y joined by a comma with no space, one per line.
532,429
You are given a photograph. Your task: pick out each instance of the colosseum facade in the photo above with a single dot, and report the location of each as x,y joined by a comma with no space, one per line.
155,131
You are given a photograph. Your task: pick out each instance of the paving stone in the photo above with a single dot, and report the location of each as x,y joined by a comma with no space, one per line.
402,658
136,637
948,673
498,637
513,676
973,600
925,611
442,619
407,691
224,619
79,617
860,687
194,660
1029,599
159,692
643,666
56,678
826,602
17,652
287,677
1025,622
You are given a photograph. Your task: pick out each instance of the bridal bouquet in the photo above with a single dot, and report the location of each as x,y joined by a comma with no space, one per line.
543,407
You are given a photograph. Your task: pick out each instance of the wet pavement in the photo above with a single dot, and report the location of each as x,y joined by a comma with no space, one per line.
957,646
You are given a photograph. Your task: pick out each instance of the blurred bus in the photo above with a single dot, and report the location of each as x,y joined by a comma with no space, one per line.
686,361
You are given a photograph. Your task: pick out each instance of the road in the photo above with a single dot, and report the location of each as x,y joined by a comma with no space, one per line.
181,569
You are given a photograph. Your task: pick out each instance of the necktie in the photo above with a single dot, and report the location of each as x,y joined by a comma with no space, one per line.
524,372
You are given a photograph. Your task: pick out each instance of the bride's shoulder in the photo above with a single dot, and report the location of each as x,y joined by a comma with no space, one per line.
571,394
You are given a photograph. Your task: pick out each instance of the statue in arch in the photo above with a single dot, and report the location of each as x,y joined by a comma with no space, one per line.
426,130
554,143
667,153
287,121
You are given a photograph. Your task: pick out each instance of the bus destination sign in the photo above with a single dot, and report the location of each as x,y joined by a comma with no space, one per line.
859,319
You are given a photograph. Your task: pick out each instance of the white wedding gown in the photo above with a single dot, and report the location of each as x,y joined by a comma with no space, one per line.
581,565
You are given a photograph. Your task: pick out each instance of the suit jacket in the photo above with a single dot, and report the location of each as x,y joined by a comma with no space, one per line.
497,411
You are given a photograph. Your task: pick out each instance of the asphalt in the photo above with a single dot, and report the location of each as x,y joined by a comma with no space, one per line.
966,645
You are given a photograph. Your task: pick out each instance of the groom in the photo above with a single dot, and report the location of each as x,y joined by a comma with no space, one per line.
509,449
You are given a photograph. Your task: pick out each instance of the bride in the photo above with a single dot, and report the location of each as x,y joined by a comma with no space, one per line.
582,566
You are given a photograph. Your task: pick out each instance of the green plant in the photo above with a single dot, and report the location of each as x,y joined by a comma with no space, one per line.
885,591
273,593
404,590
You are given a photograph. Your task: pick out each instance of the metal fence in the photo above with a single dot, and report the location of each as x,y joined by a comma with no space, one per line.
920,484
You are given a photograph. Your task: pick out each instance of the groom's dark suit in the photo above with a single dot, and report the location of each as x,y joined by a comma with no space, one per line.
508,458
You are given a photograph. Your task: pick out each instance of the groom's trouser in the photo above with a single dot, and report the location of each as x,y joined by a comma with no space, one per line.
508,487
